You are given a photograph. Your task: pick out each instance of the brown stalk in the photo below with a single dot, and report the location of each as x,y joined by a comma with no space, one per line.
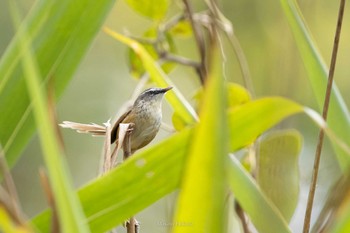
11,200
109,163
240,213
180,60
312,190
107,156
132,226
337,197
55,226
202,70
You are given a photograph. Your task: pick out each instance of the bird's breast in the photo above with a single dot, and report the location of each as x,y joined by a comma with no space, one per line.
147,124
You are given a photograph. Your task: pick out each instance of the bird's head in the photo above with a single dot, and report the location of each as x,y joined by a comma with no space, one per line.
152,95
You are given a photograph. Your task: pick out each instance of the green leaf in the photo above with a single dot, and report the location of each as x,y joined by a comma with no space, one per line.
175,98
237,95
62,32
111,199
263,214
154,9
256,117
182,29
339,116
278,169
202,195
70,214
177,121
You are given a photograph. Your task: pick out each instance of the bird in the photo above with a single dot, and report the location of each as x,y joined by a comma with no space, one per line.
145,115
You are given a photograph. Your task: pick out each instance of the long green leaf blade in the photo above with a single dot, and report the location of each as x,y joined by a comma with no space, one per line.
62,32
339,116
202,196
269,110
111,199
70,214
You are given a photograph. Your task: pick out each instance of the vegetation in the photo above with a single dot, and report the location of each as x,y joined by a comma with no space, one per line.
226,160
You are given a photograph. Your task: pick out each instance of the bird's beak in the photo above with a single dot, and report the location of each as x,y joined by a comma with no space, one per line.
166,89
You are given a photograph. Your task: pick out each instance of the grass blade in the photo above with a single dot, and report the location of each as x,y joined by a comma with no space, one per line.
69,209
202,196
339,116
62,32
117,195
269,110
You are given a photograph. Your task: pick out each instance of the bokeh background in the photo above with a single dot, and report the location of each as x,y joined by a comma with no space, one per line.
103,83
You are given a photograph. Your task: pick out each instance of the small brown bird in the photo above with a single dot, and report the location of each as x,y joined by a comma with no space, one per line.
145,114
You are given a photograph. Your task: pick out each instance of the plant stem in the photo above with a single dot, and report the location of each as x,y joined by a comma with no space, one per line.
240,213
180,60
55,226
312,190
243,63
202,70
10,200
132,225
109,162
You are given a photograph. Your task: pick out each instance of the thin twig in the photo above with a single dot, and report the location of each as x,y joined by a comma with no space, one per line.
139,87
180,60
13,200
202,71
337,196
240,213
226,26
243,63
55,226
6,205
312,190
171,23
143,40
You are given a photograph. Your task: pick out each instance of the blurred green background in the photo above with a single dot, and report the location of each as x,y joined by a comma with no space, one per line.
102,84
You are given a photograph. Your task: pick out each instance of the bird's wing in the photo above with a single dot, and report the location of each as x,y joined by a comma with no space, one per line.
114,131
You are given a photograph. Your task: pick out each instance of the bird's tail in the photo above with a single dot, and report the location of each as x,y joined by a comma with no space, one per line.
93,129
